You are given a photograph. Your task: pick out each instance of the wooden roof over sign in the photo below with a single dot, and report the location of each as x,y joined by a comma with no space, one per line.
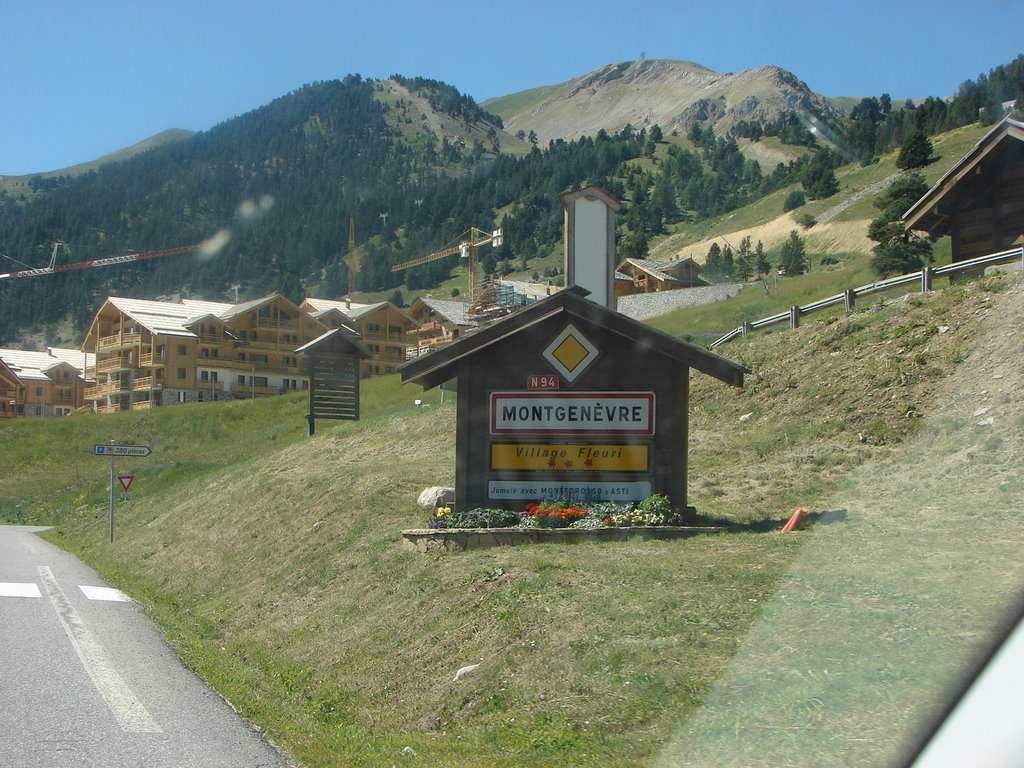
335,339
440,366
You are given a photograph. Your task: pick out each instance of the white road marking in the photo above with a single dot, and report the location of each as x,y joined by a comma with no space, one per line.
12,589
126,708
105,593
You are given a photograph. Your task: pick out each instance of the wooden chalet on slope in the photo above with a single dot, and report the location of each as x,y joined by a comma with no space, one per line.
440,322
979,202
152,353
385,330
568,348
649,276
41,384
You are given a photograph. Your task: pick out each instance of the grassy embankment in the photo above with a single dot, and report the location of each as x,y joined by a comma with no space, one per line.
272,560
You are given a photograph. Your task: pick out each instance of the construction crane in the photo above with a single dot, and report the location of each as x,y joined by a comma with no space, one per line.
353,257
125,259
469,242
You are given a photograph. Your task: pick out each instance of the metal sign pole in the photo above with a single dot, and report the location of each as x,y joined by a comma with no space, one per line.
111,516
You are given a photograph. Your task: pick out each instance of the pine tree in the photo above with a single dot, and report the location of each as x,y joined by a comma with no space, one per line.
793,257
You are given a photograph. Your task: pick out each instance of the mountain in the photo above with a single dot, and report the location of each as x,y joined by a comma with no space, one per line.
169,136
414,163
675,95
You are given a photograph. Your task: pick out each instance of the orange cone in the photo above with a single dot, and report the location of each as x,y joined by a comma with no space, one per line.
797,520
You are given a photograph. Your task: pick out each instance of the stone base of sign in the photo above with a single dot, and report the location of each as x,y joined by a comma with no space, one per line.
460,539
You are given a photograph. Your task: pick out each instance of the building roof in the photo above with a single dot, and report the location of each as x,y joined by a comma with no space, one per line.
351,309
324,305
170,318
166,318
933,212
440,366
661,269
75,357
32,366
451,310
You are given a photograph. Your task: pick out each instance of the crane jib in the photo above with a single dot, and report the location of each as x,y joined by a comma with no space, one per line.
125,259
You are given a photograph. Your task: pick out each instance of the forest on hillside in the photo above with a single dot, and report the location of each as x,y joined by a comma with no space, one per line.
285,179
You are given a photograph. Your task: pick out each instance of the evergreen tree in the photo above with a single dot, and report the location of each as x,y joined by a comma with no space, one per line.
761,261
915,152
743,268
898,250
792,257
714,267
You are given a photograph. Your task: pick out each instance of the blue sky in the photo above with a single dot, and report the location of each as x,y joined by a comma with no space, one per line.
87,77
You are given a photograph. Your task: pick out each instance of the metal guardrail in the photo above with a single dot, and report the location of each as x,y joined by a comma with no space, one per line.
848,297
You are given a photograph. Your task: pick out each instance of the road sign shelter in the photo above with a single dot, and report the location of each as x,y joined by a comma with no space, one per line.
334,375
568,398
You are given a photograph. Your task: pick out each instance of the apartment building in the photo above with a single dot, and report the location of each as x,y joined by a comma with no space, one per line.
385,330
41,384
152,353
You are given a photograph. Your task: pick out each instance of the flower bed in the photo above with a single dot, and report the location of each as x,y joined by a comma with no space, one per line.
561,522
653,511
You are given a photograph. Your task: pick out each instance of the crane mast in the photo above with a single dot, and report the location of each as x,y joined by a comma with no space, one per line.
353,257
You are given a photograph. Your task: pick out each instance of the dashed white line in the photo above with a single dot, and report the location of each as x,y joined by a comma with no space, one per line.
130,713
105,593
13,589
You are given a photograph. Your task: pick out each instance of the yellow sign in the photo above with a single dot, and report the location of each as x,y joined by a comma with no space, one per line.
560,457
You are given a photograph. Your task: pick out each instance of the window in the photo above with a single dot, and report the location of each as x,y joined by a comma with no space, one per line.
181,373
204,375
241,356
241,379
182,349
259,381
39,391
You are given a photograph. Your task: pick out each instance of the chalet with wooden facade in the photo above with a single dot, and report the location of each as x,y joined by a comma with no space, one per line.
647,276
385,330
440,322
979,202
151,353
41,384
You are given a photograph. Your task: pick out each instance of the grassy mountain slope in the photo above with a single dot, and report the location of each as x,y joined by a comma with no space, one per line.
272,560
672,94
19,183
842,233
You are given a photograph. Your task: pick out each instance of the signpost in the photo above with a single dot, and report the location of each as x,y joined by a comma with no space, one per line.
114,451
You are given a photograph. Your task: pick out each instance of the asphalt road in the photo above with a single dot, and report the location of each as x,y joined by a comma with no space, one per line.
87,680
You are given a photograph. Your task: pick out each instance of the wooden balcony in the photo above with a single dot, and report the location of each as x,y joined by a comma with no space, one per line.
120,341
390,338
108,365
270,324
142,405
103,390
146,382
247,390
152,360
109,408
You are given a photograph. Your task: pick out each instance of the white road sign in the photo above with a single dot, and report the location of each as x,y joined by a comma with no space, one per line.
122,450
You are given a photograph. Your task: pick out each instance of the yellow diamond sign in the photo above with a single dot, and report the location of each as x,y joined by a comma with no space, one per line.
571,353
